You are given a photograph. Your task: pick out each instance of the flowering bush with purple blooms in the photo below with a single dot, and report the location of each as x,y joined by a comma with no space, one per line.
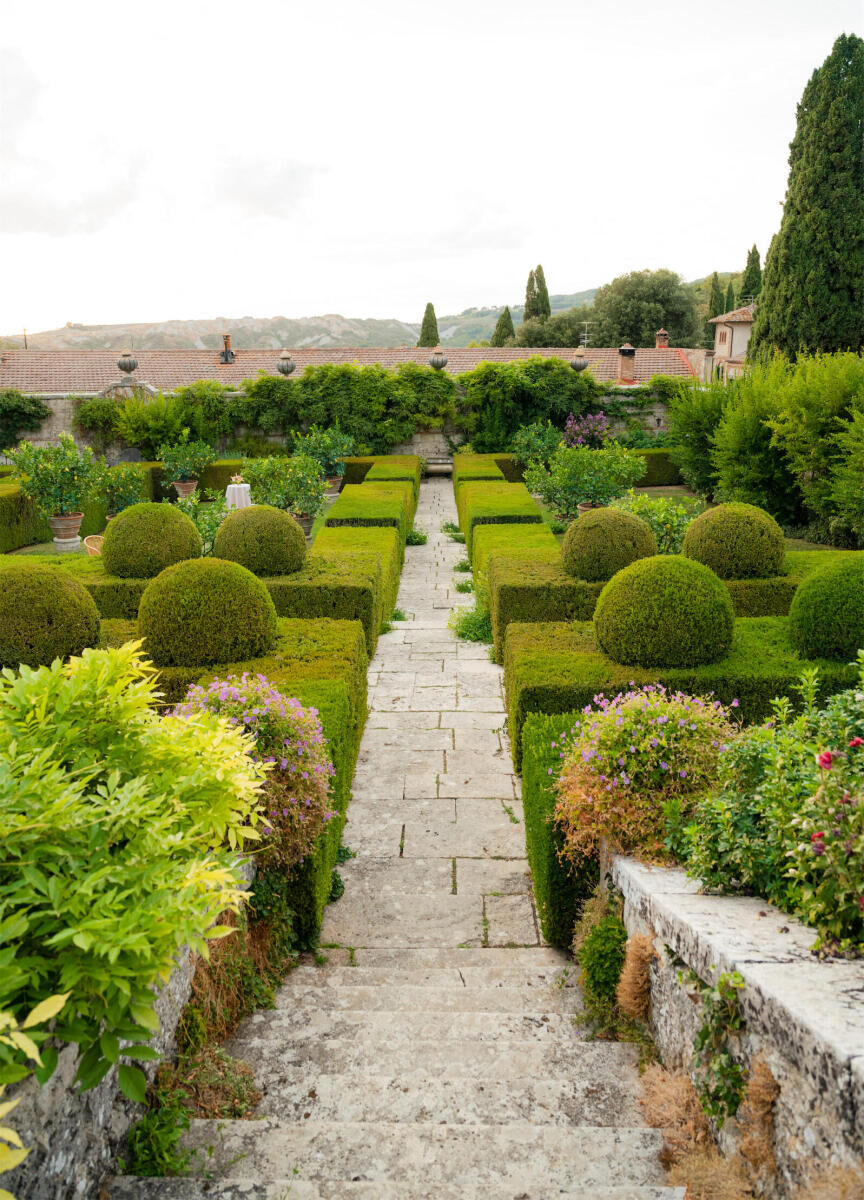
290,741
592,430
630,761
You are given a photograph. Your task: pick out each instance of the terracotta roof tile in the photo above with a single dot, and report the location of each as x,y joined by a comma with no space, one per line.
744,315
86,372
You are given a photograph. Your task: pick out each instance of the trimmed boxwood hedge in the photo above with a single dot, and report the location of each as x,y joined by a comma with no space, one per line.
660,470
146,538
603,541
44,614
494,504
827,613
21,524
556,667
358,466
737,541
372,504
558,890
263,539
468,467
401,467
535,589
203,611
511,541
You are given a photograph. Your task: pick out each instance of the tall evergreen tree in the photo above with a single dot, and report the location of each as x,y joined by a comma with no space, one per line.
729,302
543,304
751,283
429,328
813,284
503,329
532,298
716,300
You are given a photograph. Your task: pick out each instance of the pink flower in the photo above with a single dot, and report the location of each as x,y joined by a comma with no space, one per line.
825,759
856,741
817,836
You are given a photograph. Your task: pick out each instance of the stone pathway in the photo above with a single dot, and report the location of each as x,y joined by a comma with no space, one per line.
434,1054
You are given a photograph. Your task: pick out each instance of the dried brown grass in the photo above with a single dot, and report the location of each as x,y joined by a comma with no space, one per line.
670,1103
634,986
756,1119
709,1176
838,1183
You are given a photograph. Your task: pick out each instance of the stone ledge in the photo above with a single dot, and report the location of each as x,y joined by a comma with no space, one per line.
804,1014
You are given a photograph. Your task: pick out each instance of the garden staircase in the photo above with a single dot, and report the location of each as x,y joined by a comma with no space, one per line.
434,1054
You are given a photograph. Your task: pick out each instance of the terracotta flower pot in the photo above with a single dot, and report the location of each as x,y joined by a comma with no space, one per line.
305,523
65,529
184,487
584,507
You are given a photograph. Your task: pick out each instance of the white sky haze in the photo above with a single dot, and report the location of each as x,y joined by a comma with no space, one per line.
182,159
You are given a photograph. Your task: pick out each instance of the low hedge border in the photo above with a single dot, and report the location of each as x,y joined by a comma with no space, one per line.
556,667
660,470
370,504
558,891
387,471
468,467
21,524
535,587
358,466
494,504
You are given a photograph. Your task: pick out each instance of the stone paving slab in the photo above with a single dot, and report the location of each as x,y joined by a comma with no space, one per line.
510,921
130,1187
486,876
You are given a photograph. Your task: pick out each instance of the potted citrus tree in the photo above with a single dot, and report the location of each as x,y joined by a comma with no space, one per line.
58,479
295,484
184,462
579,478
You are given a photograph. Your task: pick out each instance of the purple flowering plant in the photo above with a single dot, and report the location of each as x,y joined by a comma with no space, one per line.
629,759
591,430
289,741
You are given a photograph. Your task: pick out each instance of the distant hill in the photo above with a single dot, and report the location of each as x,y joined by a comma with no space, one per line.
263,333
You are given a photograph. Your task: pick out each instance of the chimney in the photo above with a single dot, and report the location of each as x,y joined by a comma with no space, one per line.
227,354
626,363
662,342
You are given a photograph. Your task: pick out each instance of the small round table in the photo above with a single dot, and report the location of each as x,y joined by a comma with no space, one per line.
238,495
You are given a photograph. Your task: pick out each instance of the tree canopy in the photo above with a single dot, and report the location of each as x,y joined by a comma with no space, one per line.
813,284
504,330
751,283
429,328
633,307
544,305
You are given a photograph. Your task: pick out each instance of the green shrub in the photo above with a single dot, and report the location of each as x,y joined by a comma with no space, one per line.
601,957
494,503
661,470
183,461
18,413
59,478
113,825
555,667
579,475
602,541
695,411
205,611
559,889
122,486
44,614
329,448
468,467
144,539
263,539
737,541
664,611
535,443
294,484
385,471
827,611
668,517
847,493
206,510
96,417
150,422
372,504
535,588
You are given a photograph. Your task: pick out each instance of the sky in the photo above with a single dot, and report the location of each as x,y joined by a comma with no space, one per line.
181,159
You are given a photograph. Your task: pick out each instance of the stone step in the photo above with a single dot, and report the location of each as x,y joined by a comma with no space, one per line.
540,979
292,1022
522,1156
397,1052
298,1094
461,957
409,998
131,1188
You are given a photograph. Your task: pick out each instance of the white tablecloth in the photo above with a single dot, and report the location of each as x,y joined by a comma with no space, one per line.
238,495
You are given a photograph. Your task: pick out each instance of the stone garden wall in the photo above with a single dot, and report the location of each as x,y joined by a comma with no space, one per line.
803,1016
74,1137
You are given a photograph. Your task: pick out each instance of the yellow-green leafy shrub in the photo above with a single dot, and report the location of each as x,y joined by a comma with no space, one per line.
263,539
664,612
144,539
206,611
44,614
115,824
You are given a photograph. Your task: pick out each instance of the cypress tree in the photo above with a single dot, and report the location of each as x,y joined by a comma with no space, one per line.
532,298
544,307
729,302
503,329
751,284
716,300
429,328
813,284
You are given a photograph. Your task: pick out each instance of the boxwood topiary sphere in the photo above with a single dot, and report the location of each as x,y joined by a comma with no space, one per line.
144,539
263,539
602,541
45,613
206,611
665,611
737,541
827,611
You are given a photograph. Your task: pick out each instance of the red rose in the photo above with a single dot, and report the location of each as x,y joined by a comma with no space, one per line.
824,759
856,741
